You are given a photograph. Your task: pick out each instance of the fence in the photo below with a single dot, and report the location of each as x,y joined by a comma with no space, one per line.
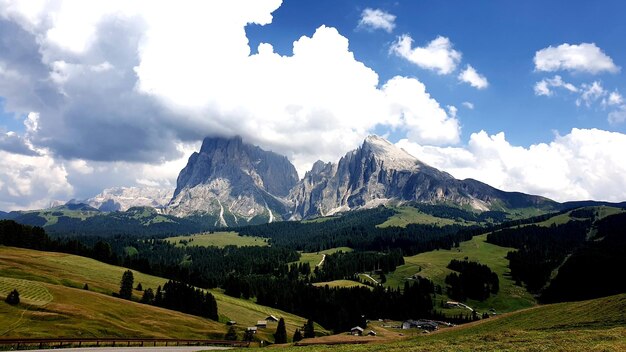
25,343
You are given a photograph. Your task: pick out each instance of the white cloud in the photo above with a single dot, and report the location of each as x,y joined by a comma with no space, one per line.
544,86
584,164
377,19
615,99
590,93
120,85
618,116
31,182
411,106
468,105
437,56
585,57
476,80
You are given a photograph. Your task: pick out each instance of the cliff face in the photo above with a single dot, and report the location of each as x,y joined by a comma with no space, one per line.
234,182
380,173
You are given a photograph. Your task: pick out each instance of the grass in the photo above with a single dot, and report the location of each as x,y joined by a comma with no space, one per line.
601,211
63,275
218,239
594,325
315,258
432,265
78,313
340,283
410,215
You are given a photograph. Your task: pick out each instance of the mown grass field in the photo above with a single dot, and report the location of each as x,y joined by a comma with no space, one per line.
594,325
64,275
218,239
409,215
432,265
340,283
315,258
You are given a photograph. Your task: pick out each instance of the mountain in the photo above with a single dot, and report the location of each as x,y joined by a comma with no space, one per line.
378,172
4,215
229,182
124,198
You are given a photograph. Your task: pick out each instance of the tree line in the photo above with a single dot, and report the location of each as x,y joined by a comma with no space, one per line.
473,280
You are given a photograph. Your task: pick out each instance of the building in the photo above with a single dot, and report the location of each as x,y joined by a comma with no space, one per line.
356,331
271,318
253,329
261,324
231,322
420,324
371,333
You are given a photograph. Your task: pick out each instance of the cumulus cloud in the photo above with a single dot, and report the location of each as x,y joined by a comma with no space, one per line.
438,55
119,85
372,19
544,87
590,93
585,57
584,164
30,181
473,78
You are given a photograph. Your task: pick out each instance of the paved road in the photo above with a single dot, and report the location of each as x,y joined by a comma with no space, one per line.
139,349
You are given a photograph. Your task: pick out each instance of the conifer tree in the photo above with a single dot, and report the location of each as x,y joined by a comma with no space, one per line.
309,329
231,335
297,336
13,298
148,296
281,332
126,285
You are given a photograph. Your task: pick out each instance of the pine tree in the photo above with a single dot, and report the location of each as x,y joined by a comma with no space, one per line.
281,332
139,287
231,335
158,296
297,336
309,329
86,287
126,285
13,298
148,296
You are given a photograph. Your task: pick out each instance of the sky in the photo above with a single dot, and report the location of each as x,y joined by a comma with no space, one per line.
523,95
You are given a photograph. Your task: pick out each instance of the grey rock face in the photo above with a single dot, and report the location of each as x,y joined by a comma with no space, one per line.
236,182
380,173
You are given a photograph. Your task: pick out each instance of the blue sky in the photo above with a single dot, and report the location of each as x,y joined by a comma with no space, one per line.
499,38
523,95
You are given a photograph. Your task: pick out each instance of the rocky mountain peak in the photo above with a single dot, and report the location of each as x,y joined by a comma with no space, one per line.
233,181
392,156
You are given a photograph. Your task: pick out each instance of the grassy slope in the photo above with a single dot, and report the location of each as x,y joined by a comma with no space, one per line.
410,215
595,325
433,266
601,211
315,258
66,274
219,239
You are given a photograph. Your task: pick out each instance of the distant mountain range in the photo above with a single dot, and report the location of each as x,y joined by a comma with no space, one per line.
232,183
237,184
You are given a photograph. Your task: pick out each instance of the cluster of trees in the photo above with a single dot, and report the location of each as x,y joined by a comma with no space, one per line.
590,272
343,265
474,281
540,249
174,295
358,230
